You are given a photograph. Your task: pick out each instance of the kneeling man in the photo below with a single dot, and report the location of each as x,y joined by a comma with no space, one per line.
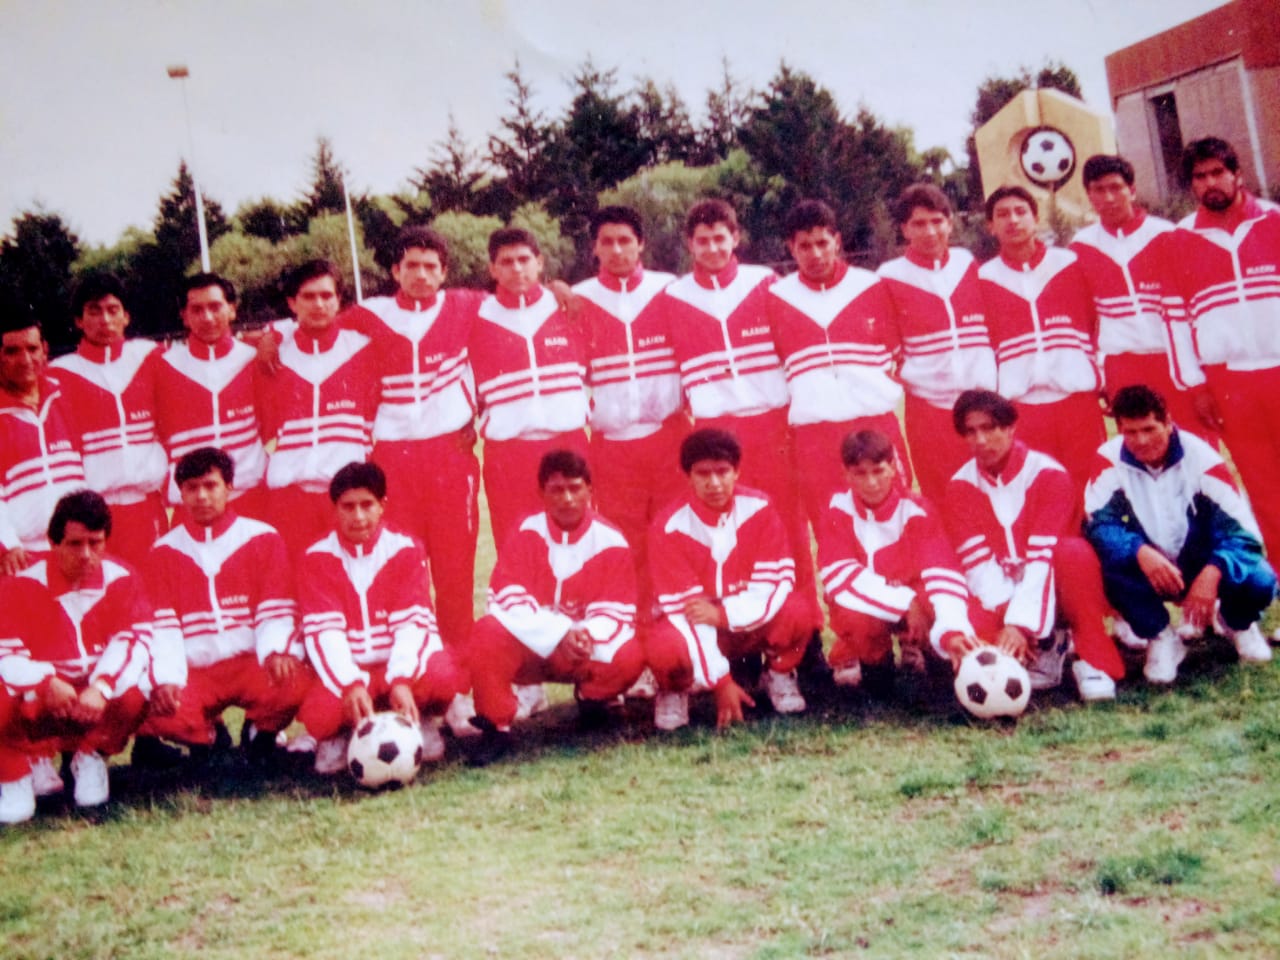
369,626
1169,525
562,607
724,576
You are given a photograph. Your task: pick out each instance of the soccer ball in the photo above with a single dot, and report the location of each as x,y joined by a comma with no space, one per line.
385,748
1047,157
990,683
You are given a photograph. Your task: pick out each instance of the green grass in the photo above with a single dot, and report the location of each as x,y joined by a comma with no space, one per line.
1149,827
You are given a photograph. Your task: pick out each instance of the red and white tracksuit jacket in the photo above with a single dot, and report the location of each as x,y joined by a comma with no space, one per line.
367,606
95,633
740,558
1042,324
219,592
1139,310
205,398
941,322
874,561
318,407
39,463
111,394
548,581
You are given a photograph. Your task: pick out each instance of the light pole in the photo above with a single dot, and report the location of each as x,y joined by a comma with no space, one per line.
180,72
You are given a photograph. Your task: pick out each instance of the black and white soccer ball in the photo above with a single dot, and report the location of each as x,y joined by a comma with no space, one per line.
385,749
990,683
1048,158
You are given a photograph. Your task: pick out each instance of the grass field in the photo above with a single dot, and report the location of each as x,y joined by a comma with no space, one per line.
1145,828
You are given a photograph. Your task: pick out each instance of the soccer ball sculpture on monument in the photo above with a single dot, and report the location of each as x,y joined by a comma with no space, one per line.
990,684
1047,157
385,749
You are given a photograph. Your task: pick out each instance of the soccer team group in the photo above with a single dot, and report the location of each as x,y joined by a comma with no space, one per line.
657,453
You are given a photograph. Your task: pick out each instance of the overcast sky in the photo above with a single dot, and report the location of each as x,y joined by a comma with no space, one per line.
92,128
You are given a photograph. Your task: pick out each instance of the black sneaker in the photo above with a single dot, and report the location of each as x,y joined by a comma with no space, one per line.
593,716
152,753
493,745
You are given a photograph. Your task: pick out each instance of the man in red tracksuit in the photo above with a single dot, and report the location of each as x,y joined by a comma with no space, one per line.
39,458
368,624
940,321
561,608
530,371
831,325
317,408
887,569
1144,338
724,576
110,387
1011,513
1043,326
225,616
205,392
74,635
637,406
1228,265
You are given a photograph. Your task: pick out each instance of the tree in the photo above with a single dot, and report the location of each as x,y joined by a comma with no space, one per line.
726,110
175,224
522,152
267,219
663,195
468,237
451,176
325,195
35,265
665,128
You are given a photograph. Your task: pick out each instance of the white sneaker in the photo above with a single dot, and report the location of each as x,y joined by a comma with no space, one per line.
432,740
302,743
17,800
1250,644
531,699
1092,683
784,692
89,771
1164,653
1275,636
45,778
331,756
847,675
1051,654
645,687
461,709
670,710
1124,635
1189,631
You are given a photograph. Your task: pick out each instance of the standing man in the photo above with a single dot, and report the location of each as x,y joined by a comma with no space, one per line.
1228,267
530,370
39,458
317,408
1143,334
1010,515
831,325
74,633
1043,326
370,631
205,392
733,377
724,575
561,608
225,615
637,410
1169,526
110,387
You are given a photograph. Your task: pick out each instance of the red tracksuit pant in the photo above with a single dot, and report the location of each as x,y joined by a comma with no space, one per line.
321,712
27,731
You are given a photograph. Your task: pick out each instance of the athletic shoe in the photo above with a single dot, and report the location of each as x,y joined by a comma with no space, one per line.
645,687
531,699
1189,631
847,674
331,756
593,715
494,744
1046,671
1275,635
17,800
302,743
1092,683
89,771
152,753
670,710
432,740
461,709
1250,644
1124,635
1164,653
44,777
784,692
